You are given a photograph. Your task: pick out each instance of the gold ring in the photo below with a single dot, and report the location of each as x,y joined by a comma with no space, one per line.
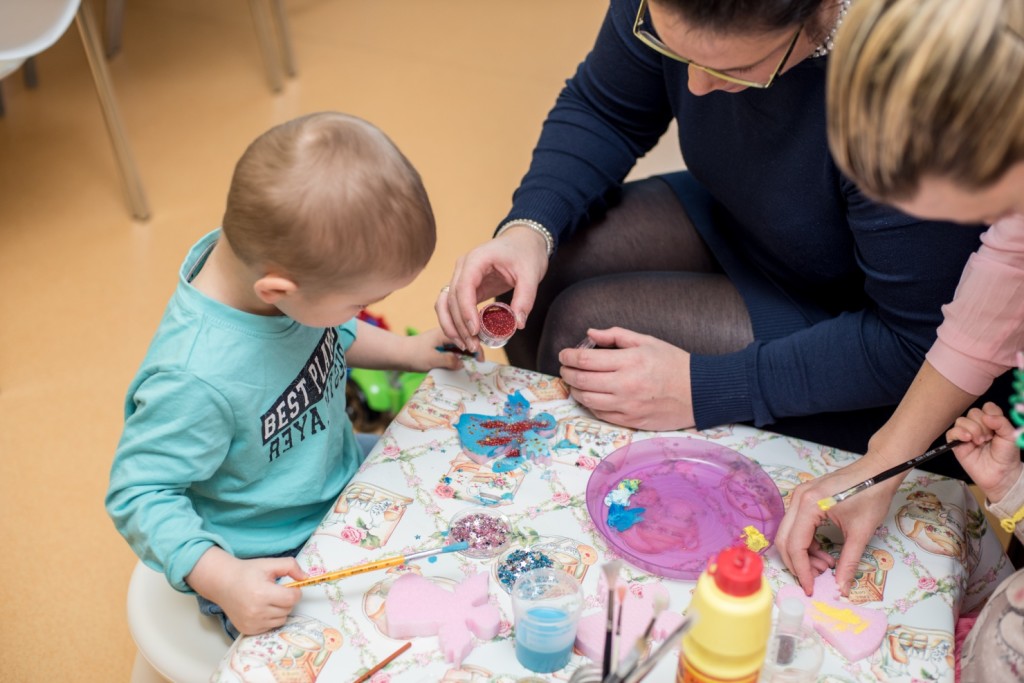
444,289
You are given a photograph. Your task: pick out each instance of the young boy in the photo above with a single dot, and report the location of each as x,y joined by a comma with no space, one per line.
236,439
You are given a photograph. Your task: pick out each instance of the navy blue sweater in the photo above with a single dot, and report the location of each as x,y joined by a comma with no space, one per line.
868,280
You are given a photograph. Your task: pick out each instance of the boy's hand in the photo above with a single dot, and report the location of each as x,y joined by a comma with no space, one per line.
382,349
247,589
989,453
426,351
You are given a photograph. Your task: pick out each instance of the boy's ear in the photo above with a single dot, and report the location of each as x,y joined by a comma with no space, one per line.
272,288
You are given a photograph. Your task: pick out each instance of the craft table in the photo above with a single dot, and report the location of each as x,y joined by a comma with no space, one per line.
934,558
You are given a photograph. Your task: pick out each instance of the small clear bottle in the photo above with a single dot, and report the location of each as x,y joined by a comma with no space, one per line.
794,652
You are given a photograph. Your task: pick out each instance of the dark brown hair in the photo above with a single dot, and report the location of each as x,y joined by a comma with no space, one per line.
741,16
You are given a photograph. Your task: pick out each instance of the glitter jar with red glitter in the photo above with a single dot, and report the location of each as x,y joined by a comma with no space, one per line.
497,325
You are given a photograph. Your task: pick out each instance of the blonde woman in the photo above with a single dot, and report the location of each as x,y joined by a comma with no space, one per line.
926,112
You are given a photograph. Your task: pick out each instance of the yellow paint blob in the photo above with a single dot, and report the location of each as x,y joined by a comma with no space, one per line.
838,619
826,503
754,539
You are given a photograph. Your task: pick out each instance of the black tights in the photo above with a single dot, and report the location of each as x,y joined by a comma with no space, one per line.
643,267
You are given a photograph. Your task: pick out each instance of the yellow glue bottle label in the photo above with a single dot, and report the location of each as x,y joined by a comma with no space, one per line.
687,674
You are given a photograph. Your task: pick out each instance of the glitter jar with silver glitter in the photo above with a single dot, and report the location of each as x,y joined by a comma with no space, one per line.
488,532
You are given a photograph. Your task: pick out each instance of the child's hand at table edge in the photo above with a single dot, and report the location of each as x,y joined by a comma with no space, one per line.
989,453
377,348
425,351
247,590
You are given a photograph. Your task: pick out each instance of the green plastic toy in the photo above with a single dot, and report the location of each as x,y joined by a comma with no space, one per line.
374,397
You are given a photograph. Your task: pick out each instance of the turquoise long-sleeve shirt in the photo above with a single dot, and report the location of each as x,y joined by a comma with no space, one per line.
235,433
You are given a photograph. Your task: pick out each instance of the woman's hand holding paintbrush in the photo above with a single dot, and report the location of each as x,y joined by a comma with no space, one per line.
857,518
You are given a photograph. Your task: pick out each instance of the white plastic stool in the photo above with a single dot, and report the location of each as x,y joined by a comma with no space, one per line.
176,642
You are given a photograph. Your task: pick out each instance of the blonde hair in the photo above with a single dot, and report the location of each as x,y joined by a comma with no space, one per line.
327,199
927,88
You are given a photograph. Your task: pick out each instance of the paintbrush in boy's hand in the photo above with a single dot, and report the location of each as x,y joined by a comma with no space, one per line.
375,565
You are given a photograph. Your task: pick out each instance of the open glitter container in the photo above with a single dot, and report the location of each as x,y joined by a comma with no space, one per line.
497,325
487,531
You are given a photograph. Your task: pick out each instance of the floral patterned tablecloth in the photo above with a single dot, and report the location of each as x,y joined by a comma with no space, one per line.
934,558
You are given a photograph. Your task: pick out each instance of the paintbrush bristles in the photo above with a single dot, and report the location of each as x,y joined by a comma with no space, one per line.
660,603
611,578
640,646
611,572
640,671
620,597
620,600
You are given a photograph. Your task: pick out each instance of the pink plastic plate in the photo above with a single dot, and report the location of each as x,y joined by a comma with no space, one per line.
698,497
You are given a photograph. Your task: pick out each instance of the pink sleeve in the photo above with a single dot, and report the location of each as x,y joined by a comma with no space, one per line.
983,326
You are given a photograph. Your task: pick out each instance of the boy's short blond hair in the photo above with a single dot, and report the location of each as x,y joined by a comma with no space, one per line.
327,199
927,88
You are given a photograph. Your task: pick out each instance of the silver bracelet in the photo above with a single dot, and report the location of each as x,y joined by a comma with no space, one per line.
549,241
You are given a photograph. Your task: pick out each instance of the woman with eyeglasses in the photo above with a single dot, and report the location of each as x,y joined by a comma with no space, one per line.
759,286
926,112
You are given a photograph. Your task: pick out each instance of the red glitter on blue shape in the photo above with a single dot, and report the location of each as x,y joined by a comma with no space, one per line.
510,439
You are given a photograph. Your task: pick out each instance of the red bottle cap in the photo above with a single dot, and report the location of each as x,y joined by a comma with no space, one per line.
737,571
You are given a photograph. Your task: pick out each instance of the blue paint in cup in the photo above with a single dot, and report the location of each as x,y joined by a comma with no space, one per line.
547,605
544,638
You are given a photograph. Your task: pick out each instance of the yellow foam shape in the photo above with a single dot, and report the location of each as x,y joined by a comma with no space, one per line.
838,619
754,539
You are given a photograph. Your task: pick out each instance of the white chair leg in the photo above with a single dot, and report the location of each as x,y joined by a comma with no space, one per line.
284,36
261,16
111,115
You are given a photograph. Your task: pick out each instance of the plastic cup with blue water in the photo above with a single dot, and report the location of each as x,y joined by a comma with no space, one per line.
547,605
